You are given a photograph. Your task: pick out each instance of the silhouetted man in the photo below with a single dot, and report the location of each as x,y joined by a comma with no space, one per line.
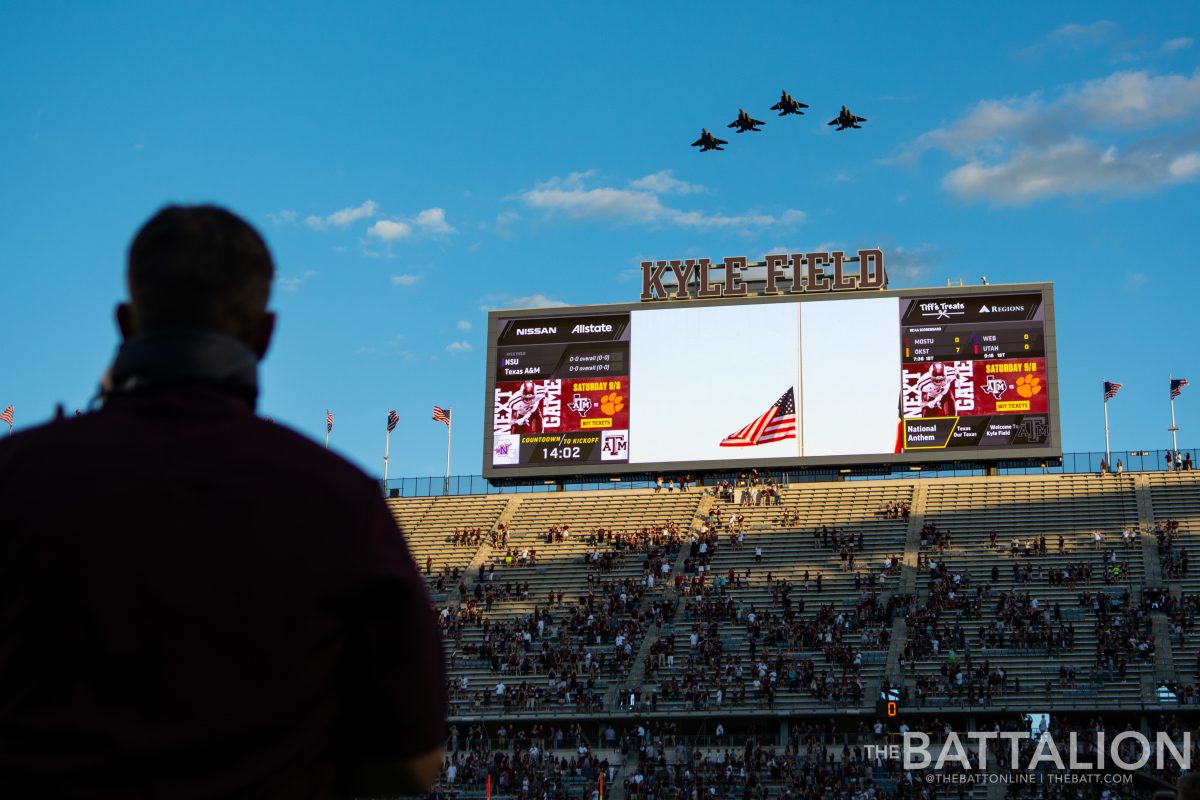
194,602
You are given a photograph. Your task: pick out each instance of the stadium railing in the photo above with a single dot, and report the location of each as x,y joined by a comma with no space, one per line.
1072,463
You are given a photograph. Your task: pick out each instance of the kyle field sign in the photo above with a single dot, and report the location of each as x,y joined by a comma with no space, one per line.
781,273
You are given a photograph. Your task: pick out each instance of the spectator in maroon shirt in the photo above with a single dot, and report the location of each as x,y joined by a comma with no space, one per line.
194,602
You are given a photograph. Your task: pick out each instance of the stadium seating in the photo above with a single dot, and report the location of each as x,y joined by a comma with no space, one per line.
868,626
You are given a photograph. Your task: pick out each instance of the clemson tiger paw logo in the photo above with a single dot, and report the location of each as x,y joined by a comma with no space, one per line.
612,403
1029,385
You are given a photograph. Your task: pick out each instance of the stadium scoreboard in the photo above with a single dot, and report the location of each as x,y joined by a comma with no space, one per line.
877,378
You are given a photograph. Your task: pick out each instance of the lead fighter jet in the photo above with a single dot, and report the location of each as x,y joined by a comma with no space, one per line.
744,122
846,119
788,105
708,142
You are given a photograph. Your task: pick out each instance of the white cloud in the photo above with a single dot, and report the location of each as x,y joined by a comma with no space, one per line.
285,217
522,301
459,347
535,301
912,263
390,230
1135,100
1074,167
405,280
638,203
463,325
1178,43
1083,140
664,182
344,217
504,223
1185,167
1074,37
433,220
292,283
1135,279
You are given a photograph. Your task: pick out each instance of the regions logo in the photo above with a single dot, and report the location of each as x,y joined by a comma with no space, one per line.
614,446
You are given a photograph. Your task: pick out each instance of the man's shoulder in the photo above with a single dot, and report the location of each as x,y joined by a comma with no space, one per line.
254,449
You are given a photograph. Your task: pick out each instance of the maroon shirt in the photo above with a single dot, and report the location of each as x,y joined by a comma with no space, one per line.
198,603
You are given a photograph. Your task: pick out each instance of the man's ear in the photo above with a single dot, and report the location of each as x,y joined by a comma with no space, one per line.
125,321
261,340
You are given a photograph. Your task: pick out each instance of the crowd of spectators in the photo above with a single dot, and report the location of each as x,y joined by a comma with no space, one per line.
1174,559
528,770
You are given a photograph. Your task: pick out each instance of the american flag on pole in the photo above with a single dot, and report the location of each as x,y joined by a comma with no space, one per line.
328,421
7,416
779,422
1111,388
441,415
393,419
1177,385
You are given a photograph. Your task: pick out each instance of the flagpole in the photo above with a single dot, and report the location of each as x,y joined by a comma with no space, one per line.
1107,453
446,487
1174,429
386,441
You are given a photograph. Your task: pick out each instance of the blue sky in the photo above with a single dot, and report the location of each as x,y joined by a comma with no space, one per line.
412,165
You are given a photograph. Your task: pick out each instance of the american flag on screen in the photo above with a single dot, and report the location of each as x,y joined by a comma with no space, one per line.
7,416
393,419
1111,388
779,422
1177,385
441,415
328,421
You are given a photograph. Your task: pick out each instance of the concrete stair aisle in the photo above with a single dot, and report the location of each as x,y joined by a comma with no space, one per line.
1176,496
637,674
912,542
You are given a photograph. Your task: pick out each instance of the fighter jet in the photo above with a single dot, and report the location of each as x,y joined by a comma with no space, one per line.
745,123
846,119
788,105
708,142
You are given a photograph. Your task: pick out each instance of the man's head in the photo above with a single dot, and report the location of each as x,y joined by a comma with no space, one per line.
199,268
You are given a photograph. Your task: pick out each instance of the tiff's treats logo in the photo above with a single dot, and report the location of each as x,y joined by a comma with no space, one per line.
943,310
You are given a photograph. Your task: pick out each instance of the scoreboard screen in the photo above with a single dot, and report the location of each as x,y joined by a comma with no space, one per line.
910,376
